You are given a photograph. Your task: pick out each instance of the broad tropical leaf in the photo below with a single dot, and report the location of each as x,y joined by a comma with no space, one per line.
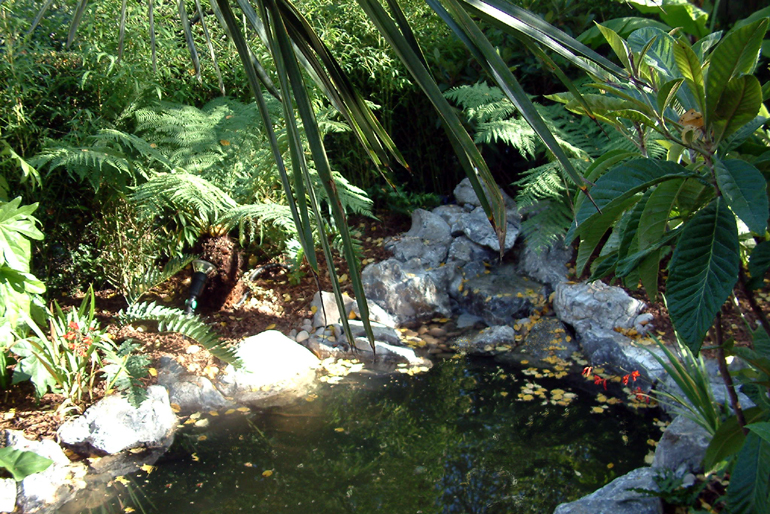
740,103
702,272
735,55
22,463
748,492
745,190
690,67
759,263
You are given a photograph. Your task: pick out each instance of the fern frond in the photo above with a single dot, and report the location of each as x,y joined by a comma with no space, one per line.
187,192
547,225
175,320
140,284
515,133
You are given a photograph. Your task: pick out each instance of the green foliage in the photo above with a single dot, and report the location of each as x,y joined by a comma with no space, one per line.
175,320
21,464
689,201
123,369
672,489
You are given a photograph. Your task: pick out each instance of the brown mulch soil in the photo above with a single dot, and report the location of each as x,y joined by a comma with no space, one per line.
275,302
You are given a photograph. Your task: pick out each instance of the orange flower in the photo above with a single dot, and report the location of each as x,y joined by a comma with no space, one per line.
73,325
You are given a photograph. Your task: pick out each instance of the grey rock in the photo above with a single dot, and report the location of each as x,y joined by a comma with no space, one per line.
429,228
381,333
389,353
478,229
327,311
595,305
546,265
616,498
7,494
466,320
605,348
682,447
483,342
450,213
406,248
407,291
499,295
113,425
302,336
274,370
187,390
464,250
42,492
464,194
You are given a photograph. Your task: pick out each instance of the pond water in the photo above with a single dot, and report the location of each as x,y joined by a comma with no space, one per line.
456,439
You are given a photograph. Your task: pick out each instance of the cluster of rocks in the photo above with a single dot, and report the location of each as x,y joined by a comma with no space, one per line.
446,266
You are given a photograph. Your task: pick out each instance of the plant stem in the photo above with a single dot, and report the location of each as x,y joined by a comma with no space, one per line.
755,308
726,377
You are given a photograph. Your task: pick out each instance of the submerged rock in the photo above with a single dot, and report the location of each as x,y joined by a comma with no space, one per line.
499,295
484,341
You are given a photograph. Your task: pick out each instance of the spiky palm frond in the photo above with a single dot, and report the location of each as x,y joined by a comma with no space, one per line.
141,284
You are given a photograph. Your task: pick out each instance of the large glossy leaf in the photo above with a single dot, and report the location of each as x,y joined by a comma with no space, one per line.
623,182
624,27
742,134
735,55
22,463
745,190
740,104
594,230
702,272
748,489
759,263
729,438
762,429
618,45
676,13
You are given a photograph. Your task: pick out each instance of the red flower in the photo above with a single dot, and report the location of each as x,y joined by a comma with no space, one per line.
625,379
587,371
87,341
70,336
634,375
597,380
73,325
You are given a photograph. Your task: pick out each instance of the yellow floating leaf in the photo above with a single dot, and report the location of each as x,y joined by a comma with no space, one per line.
597,410
202,438
503,393
339,429
267,473
175,407
147,468
343,278
122,480
213,413
129,509
195,457
195,415
229,411
524,363
527,397
243,409
610,465
649,458
248,464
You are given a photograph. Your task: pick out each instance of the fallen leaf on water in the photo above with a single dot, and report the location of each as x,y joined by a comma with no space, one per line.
243,409
121,480
597,410
128,509
267,473
610,465
229,411
175,407
202,438
147,468
195,457
339,429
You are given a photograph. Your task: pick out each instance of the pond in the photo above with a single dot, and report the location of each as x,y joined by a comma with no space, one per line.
457,439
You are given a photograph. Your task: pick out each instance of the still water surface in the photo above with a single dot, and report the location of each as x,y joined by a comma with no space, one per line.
453,440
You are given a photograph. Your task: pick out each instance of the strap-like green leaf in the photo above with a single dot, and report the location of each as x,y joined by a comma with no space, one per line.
188,36
748,491
618,45
735,55
745,190
210,46
703,271
76,19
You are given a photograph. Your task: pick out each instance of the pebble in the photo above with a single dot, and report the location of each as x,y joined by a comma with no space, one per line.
302,336
293,333
422,330
193,348
437,332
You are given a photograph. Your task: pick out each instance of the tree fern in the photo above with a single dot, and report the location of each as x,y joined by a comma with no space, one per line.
175,320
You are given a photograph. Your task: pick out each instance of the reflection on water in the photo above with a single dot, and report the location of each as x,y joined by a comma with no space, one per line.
449,441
